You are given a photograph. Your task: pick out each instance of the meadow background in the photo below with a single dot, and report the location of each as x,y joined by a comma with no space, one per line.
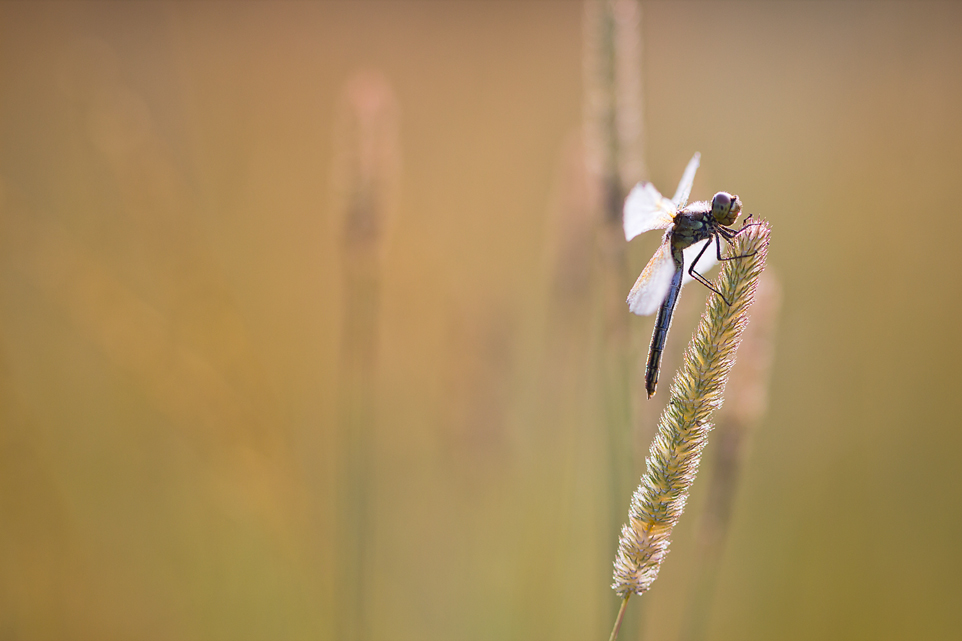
312,320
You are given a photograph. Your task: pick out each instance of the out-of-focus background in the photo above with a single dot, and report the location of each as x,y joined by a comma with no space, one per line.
312,319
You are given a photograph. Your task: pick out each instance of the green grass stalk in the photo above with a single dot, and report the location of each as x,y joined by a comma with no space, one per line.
614,160
365,174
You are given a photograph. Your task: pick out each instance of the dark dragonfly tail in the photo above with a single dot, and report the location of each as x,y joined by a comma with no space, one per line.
662,323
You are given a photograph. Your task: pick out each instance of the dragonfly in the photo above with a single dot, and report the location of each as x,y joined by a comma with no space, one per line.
689,232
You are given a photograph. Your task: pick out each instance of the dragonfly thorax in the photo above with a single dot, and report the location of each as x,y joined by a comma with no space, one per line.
692,224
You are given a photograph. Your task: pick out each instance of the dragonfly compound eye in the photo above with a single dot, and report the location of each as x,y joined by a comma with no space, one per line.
725,207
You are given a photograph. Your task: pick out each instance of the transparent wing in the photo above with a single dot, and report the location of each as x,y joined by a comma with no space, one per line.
646,209
708,260
687,178
652,286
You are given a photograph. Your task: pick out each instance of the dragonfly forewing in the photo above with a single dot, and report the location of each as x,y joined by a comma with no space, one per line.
646,209
684,185
652,286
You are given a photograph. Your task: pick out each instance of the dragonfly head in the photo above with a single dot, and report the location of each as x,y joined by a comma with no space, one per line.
725,208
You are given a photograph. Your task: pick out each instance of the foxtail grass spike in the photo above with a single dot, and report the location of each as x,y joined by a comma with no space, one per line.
683,430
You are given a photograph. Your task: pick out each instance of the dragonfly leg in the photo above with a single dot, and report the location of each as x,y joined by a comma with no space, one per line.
729,234
745,225
701,279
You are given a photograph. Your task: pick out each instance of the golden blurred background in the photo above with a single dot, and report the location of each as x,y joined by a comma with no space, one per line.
312,319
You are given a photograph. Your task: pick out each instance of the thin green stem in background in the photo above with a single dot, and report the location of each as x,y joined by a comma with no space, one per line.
614,159
683,430
620,617
365,170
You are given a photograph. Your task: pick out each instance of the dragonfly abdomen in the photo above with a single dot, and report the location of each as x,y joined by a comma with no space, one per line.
660,333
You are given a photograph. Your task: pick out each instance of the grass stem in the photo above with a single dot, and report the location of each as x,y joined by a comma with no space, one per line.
620,617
